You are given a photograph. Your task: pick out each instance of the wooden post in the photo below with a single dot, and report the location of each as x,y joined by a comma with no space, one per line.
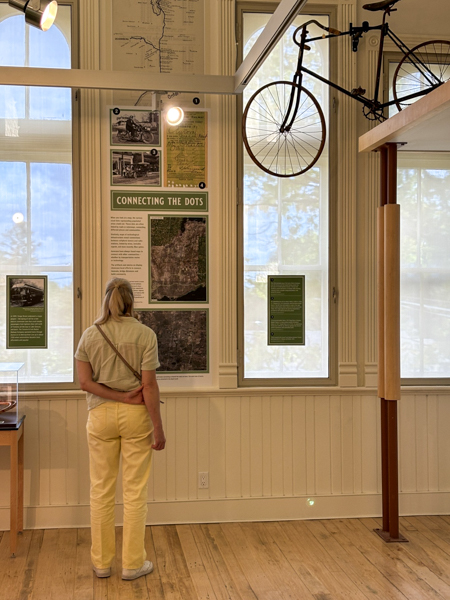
388,270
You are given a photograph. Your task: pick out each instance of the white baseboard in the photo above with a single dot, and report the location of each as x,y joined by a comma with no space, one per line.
241,509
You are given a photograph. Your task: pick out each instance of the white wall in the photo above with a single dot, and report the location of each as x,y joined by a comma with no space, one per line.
266,451
266,455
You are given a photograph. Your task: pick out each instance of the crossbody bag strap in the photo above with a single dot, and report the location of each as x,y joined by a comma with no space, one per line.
135,373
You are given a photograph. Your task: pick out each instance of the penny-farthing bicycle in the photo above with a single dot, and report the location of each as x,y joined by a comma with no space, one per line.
283,125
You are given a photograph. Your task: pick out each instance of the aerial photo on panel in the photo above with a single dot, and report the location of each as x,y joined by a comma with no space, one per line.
178,259
182,338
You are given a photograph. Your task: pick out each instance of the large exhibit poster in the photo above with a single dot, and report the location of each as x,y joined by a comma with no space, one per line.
26,306
158,235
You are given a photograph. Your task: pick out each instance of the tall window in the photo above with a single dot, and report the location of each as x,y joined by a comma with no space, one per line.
424,197
423,181
36,189
285,228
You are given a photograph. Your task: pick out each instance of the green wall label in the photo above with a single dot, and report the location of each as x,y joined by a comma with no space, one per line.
286,310
26,311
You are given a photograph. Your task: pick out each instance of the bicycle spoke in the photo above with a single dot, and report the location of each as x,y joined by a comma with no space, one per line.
272,119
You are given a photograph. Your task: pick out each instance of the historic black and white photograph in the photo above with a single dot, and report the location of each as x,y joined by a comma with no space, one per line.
135,127
136,168
26,292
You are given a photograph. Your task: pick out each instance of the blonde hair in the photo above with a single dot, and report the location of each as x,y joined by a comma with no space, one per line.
118,301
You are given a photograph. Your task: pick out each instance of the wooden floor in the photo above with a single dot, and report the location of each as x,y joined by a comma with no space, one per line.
321,560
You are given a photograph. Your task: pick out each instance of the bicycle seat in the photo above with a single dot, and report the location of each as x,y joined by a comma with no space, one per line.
383,5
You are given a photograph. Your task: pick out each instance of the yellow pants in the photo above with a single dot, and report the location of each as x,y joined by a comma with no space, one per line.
113,428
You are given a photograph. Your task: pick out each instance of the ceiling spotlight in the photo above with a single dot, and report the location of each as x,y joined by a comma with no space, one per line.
39,13
175,115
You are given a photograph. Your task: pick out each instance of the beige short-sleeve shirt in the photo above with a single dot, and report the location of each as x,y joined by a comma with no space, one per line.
136,342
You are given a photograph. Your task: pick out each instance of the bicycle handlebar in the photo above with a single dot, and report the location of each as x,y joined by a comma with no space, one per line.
328,29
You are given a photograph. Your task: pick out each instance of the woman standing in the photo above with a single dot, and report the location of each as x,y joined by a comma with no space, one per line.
124,418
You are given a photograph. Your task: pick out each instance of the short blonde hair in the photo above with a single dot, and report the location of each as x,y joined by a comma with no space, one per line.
118,301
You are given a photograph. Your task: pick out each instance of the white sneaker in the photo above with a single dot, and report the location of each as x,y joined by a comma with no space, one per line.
102,572
146,568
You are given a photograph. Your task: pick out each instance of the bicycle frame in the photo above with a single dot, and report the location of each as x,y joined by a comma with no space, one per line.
372,104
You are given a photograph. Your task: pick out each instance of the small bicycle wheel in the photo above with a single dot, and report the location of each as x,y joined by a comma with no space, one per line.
424,67
147,137
288,152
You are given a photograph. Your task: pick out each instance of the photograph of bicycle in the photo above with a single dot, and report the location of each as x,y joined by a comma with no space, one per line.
283,125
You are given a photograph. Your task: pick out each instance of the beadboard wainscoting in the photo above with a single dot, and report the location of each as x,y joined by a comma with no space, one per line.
269,457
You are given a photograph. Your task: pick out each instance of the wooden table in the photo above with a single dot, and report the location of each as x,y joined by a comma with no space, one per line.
12,436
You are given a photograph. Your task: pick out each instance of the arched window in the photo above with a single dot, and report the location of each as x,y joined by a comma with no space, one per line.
25,46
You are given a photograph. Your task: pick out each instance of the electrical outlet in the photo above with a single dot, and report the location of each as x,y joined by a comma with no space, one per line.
203,480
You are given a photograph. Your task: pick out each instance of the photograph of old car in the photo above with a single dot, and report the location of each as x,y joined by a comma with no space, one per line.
136,168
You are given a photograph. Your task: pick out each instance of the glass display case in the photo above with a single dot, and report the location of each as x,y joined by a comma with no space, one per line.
9,394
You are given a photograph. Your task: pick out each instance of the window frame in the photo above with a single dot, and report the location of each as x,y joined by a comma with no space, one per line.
330,11
76,211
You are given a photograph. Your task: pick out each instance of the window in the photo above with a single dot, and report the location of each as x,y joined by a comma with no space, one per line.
285,230
423,181
424,197
36,189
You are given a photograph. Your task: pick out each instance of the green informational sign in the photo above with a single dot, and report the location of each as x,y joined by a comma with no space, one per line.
286,310
168,201
26,308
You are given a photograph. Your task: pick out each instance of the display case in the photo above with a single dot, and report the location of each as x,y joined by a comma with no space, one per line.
9,394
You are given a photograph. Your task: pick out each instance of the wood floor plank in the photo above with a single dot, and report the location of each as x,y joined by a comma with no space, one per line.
234,568
281,573
251,566
218,573
84,577
195,564
153,581
13,569
170,580
313,565
43,588
422,525
429,554
33,555
392,562
357,567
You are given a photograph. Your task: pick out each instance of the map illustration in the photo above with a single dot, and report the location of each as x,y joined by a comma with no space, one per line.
182,338
178,255
165,36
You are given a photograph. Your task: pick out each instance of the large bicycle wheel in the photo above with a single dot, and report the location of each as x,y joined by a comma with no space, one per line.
279,151
424,67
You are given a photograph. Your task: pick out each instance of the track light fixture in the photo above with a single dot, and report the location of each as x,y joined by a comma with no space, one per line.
39,13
